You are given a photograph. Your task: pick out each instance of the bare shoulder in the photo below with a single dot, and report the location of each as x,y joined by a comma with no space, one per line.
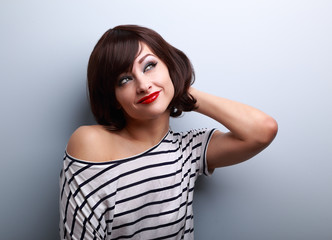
85,143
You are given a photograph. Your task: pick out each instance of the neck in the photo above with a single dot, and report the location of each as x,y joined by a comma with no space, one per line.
149,132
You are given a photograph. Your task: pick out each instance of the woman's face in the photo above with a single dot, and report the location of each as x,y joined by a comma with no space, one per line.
145,92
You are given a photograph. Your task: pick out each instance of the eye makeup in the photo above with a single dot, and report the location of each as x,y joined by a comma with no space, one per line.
123,80
150,65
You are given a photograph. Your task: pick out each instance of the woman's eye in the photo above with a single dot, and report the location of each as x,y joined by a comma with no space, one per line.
124,80
149,66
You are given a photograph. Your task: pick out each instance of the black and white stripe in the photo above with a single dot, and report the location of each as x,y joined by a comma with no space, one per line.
147,196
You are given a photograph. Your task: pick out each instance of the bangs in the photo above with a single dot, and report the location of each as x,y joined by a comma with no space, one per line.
122,52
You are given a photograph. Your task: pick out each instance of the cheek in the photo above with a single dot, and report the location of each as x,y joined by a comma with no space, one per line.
172,89
168,81
170,86
125,98
119,99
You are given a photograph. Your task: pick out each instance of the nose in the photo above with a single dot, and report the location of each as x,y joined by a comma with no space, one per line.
143,84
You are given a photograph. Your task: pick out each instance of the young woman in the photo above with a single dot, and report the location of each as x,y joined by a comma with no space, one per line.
130,176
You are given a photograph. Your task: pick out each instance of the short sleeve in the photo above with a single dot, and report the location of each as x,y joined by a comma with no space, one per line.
205,139
198,140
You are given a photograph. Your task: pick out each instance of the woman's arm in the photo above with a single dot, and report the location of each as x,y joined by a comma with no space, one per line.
250,130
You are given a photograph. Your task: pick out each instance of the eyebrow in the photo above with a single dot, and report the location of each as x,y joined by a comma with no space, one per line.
145,56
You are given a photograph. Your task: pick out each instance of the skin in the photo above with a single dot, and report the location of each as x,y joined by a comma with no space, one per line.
149,75
250,130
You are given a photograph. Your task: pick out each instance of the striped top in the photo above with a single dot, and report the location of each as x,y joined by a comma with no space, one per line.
147,196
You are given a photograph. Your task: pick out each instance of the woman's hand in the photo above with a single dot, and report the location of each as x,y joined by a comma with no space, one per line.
251,130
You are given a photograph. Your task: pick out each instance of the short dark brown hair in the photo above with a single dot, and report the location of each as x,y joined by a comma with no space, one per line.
115,53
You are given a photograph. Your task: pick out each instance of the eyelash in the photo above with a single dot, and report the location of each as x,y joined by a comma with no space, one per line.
150,65
124,80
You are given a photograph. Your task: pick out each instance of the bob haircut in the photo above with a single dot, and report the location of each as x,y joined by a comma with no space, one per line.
115,53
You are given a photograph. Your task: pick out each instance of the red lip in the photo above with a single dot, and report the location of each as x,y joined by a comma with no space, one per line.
150,98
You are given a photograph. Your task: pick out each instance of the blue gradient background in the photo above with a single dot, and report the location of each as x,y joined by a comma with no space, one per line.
275,55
